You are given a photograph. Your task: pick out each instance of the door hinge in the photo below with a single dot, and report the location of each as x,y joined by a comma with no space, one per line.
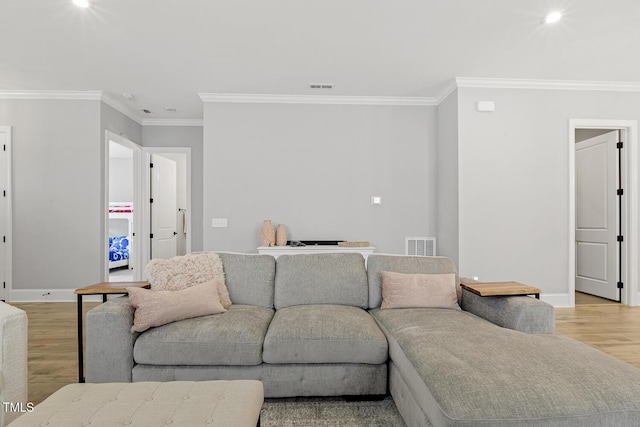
4,193
4,147
619,145
4,239
151,200
4,285
151,236
620,285
150,165
620,191
620,238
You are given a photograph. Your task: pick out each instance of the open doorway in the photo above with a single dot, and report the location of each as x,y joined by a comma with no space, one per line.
123,213
603,229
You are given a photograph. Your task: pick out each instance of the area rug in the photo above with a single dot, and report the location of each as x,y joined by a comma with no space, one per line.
298,412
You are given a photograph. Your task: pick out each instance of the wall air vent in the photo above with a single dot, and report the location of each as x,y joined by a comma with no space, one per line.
420,246
321,85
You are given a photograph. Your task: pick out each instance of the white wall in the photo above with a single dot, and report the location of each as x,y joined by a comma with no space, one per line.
314,168
514,180
184,136
120,179
56,194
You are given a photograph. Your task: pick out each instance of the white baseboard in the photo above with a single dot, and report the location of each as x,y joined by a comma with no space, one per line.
557,300
49,295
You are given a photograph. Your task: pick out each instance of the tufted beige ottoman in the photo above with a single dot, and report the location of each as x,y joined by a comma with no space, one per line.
179,403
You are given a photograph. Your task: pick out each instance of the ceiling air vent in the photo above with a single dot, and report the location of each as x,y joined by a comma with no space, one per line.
146,111
421,246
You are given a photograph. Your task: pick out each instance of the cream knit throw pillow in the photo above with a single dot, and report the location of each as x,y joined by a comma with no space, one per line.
184,271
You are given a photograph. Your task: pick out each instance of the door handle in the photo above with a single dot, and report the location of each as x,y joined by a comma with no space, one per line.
175,234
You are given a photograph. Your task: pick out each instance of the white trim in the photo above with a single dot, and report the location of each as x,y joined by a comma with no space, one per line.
631,190
90,95
112,102
474,82
51,295
558,300
172,122
8,214
446,91
316,99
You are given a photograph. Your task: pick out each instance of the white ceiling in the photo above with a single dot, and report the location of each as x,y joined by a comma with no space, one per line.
166,52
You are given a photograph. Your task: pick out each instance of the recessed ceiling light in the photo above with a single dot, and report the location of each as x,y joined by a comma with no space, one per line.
553,17
170,109
81,3
128,96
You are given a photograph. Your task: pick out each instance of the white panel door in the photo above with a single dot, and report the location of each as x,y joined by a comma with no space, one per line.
596,216
163,209
4,204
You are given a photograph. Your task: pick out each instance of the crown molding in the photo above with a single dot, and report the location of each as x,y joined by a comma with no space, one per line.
447,90
112,102
173,122
473,82
316,99
76,95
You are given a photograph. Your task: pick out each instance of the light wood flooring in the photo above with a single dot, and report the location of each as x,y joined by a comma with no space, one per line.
612,328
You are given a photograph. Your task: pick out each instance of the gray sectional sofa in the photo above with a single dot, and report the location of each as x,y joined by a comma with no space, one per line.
311,325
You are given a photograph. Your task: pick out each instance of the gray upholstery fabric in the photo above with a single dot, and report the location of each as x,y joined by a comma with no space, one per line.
109,342
321,279
249,278
376,263
482,375
524,314
324,334
405,399
291,380
232,338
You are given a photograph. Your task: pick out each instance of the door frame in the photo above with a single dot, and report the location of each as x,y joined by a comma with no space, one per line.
8,214
631,224
146,194
138,213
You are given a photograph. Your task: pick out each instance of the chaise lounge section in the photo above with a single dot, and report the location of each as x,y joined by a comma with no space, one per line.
312,325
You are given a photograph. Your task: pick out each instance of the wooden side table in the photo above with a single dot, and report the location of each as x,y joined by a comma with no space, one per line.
104,289
494,289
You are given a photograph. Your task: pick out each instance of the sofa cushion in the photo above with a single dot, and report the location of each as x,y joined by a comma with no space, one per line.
249,278
472,372
231,338
376,263
324,334
321,279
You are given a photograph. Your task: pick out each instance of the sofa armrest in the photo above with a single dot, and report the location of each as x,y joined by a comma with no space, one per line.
109,342
521,313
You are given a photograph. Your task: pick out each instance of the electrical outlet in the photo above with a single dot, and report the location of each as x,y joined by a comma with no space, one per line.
219,222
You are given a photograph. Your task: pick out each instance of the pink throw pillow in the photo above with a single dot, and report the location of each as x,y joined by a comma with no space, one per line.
157,308
400,290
